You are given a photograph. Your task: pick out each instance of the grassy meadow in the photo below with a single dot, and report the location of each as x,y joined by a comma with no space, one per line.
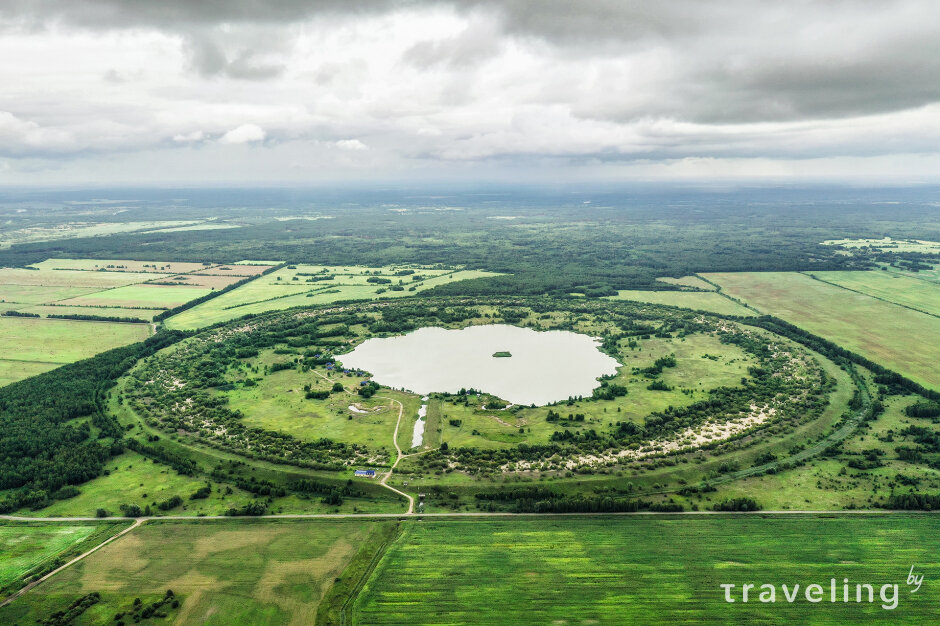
645,569
698,300
901,339
693,377
222,572
62,341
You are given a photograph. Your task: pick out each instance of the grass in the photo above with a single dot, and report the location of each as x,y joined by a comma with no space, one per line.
106,311
687,281
35,294
224,572
134,479
120,265
644,570
469,426
702,301
827,484
63,341
280,290
167,296
888,244
12,371
102,287
278,403
909,292
30,547
67,278
898,338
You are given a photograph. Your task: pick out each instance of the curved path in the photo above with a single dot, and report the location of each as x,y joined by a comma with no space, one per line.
401,455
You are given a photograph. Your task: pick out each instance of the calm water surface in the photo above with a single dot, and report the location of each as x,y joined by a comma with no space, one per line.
544,366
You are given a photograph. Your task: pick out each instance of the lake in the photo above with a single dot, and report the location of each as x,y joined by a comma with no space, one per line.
544,367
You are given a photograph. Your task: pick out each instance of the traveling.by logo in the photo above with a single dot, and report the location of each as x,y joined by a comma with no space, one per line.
815,593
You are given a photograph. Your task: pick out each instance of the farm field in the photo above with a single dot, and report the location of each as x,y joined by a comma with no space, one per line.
12,371
703,301
62,341
904,290
12,295
119,265
27,547
167,296
71,278
308,285
222,572
104,311
93,287
899,338
626,570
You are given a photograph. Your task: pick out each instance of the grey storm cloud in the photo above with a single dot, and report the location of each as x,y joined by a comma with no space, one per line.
390,83
737,60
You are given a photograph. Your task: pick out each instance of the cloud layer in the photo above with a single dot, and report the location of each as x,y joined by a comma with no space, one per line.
396,88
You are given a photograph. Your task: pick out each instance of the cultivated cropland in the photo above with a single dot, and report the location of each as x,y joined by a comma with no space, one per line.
363,407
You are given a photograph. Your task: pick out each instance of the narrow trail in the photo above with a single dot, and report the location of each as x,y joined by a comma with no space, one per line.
35,583
401,455
398,451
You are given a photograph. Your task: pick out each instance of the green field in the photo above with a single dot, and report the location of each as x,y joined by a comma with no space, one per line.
62,341
223,572
901,339
12,371
702,301
72,278
95,287
645,570
28,548
910,292
289,287
687,281
105,311
167,296
277,402
35,294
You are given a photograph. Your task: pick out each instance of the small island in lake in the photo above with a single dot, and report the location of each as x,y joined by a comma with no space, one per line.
502,355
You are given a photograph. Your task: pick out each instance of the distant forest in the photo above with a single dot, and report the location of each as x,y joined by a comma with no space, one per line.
546,242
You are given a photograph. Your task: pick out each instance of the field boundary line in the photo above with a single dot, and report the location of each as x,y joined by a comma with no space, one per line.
863,293
721,293
137,523
367,574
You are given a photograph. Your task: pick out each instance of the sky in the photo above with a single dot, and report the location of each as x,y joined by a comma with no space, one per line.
300,91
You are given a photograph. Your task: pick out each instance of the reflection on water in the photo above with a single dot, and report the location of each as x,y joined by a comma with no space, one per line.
544,366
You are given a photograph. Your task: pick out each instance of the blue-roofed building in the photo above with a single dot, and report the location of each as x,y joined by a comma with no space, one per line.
366,473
